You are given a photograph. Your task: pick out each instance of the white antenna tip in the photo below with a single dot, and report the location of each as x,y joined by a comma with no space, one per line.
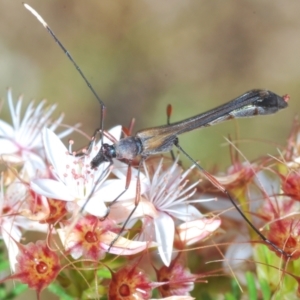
35,13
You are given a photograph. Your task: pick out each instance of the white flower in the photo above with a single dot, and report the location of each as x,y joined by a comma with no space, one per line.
13,207
164,205
22,141
76,182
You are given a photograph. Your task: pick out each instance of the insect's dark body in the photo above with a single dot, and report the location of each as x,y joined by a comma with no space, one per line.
160,139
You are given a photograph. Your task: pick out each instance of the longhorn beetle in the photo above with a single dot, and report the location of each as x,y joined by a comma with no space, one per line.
161,139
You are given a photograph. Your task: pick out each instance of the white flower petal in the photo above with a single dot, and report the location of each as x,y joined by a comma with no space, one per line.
6,129
52,189
110,190
194,231
164,231
33,164
115,132
119,169
95,206
123,246
56,151
185,212
10,234
8,146
30,225
26,131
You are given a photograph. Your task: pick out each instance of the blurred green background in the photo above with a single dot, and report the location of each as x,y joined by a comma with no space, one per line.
142,55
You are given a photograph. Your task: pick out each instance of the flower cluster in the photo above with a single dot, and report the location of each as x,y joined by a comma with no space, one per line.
127,232
268,190
106,230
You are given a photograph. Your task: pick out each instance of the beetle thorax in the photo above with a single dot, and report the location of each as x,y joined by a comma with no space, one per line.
128,148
